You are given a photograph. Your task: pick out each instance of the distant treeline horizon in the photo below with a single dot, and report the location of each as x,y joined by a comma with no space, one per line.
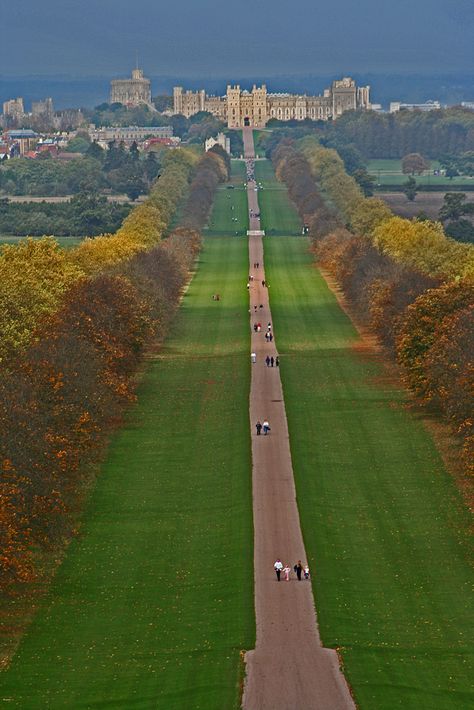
90,91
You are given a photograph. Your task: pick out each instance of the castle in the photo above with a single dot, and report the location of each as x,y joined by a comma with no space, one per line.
131,92
255,108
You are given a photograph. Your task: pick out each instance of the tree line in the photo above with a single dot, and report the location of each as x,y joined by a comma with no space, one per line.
406,280
116,169
85,213
444,133
67,374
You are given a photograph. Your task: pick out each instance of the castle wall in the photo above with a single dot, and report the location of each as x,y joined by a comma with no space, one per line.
256,107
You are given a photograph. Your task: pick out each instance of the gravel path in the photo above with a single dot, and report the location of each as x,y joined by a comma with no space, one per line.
289,669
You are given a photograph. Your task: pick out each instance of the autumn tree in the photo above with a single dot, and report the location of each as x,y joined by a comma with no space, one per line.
414,163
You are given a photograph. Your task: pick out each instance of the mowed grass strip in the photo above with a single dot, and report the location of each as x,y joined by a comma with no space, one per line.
384,526
230,214
278,214
154,601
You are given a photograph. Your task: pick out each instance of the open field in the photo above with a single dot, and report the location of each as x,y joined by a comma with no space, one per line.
428,202
389,172
65,242
154,601
230,214
278,214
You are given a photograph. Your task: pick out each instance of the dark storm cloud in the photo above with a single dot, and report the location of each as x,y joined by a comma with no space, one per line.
214,38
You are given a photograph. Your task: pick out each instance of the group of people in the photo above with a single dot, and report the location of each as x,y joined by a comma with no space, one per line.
270,361
250,163
299,569
265,427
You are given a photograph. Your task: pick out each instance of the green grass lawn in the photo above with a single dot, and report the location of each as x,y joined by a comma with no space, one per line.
229,204
383,523
389,172
154,601
278,214
65,242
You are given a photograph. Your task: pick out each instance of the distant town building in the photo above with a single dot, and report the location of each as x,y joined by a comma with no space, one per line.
128,134
221,139
21,141
69,119
256,107
468,104
14,109
131,92
396,106
44,109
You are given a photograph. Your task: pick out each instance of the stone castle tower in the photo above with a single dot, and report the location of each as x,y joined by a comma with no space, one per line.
131,92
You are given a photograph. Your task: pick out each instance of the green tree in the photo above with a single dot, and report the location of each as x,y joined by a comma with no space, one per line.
455,206
95,151
365,181
410,188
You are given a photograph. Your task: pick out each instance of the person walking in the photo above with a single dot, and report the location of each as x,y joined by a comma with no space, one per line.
267,360
253,357
298,569
277,361
272,361
278,566
266,427
258,427
270,337
306,571
287,570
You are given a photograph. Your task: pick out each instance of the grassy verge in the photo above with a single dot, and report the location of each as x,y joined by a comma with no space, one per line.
278,214
383,524
154,601
230,214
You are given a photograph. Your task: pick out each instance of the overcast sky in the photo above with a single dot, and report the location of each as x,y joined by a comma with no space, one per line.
225,39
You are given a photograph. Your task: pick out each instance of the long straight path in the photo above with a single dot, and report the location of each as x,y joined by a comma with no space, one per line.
288,669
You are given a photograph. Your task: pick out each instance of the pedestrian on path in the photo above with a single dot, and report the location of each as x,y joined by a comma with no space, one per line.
266,337
263,283
270,337
267,360
266,427
287,570
272,361
278,566
298,569
277,361
306,571
258,427
253,357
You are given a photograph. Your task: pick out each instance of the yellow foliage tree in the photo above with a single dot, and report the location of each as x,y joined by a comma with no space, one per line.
34,275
